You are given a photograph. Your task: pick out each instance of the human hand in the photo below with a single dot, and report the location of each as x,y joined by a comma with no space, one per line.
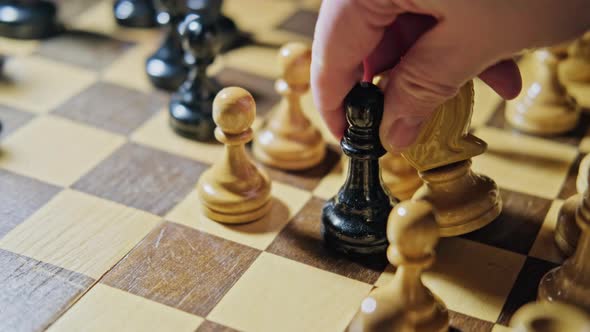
434,47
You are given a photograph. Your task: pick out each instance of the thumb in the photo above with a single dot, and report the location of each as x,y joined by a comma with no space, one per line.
431,72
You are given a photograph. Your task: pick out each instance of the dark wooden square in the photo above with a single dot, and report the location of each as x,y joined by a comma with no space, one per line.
569,186
302,22
112,107
517,226
86,49
261,88
525,288
21,197
301,241
33,294
307,179
12,119
572,137
463,323
143,178
182,267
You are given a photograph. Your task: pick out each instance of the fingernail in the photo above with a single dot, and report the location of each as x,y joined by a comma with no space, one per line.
404,132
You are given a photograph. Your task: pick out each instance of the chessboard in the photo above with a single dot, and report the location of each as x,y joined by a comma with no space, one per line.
101,229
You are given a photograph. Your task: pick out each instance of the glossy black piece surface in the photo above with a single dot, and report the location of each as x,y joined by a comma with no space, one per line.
23,19
228,33
354,221
191,107
166,68
135,13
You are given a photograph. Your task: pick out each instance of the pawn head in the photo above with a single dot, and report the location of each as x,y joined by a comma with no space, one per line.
364,106
234,110
199,37
295,63
412,229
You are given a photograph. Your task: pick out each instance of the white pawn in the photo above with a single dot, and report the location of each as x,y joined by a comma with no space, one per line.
406,304
574,72
234,190
288,140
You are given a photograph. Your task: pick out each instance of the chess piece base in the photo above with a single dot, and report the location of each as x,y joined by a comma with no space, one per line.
348,233
567,231
34,20
463,201
557,286
192,121
135,13
288,154
541,119
233,203
546,316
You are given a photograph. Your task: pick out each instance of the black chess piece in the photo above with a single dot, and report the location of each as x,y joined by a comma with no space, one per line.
191,106
354,221
229,35
135,13
32,19
166,68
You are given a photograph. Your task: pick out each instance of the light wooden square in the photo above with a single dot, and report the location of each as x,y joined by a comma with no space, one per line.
544,246
471,278
331,183
99,19
523,163
129,69
278,294
261,61
17,47
250,16
157,133
287,201
80,232
585,145
39,85
56,150
501,328
105,308
486,103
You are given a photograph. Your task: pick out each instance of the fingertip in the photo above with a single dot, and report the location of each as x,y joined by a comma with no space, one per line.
504,78
335,121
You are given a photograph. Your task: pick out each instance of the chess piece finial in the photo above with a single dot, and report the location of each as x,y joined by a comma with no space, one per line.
543,108
354,220
406,304
567,231
191,106
166,68
234,190
570,282
29,19
288,140
549,317
574,71
135,13
463,200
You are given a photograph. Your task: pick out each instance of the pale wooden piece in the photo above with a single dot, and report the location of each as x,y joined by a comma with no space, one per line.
543,108
288,140
574,72
234,190
445,138
463,200
405,304
549,317
571,282
399,177
567,231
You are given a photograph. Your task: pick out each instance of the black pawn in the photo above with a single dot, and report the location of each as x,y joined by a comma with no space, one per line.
229,35
354,221
135,13
166,68
191,106
33,19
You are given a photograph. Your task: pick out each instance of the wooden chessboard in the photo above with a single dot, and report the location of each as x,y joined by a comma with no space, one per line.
100,226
